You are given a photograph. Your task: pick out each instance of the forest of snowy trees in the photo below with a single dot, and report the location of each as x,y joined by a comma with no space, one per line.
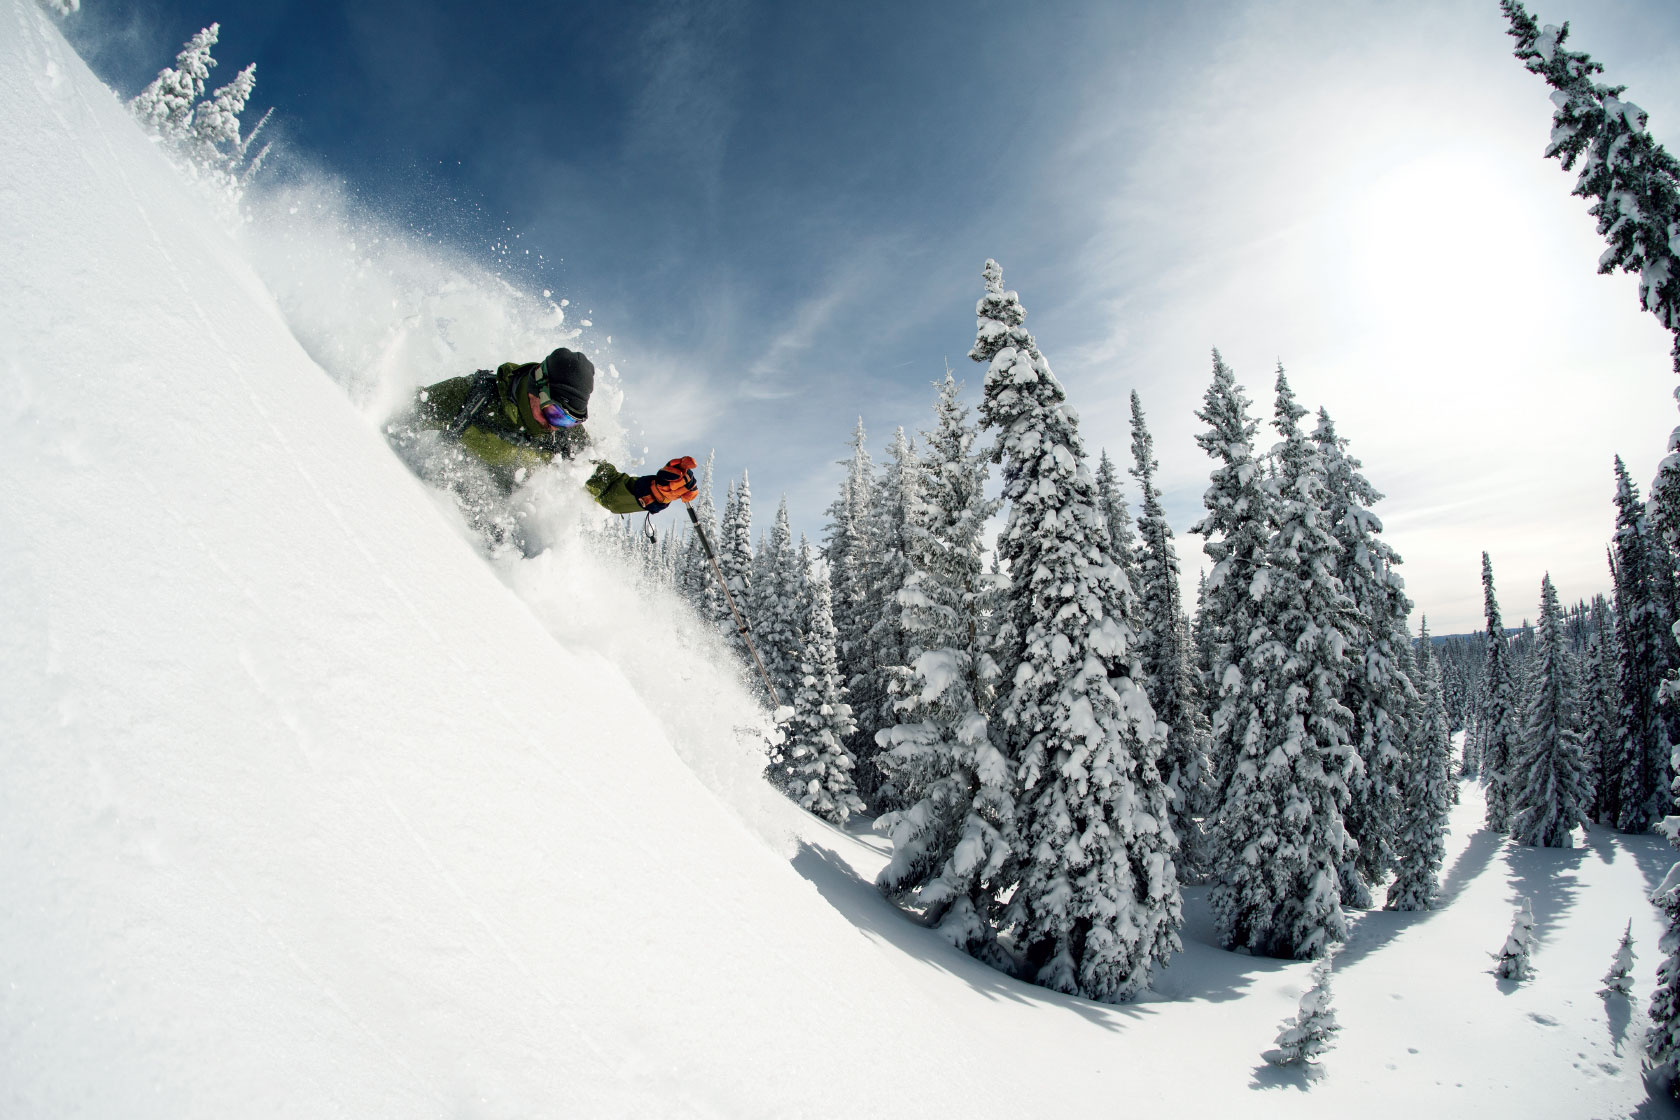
1054,744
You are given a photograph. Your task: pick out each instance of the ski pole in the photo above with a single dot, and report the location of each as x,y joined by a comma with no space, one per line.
740,621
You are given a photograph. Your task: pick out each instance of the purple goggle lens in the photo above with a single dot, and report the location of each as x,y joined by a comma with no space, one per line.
556,417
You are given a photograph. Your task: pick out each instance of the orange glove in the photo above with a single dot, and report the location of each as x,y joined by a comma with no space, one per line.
675,482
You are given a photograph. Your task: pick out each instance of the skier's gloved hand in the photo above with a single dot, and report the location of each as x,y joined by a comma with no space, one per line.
675,482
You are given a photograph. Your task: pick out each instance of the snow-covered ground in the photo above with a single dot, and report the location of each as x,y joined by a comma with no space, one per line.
308,810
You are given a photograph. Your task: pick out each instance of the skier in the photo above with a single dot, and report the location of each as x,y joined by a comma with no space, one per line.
521,415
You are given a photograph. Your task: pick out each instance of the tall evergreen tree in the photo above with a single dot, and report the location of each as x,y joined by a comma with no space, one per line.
848,551
955,847
1425,780
1549,791
1647,648
1111,503
816,767
735,553
1633,182
883,682
1601,710
1379,692
1097,906
1281,847
216,143
166,105
1235,534
1162,652
1499,731
777,597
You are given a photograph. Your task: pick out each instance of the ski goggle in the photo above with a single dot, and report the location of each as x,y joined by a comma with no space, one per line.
554,415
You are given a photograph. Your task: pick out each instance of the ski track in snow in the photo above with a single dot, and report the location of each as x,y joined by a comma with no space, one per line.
306,810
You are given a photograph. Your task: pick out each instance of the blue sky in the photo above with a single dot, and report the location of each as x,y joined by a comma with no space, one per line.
779,212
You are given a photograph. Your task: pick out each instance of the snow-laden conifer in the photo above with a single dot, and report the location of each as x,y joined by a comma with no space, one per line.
1512,962
1235,535
886,678
216,143
735,552
954,847
777,597
1548,790
816,768
63,7
1111,503
1425,785
1379,692
848,553
1662,1038
166,105
1644,624
1307,1036
1600,713
1632,181
1163,654
1280,847
1499,717
1097,905
1619,980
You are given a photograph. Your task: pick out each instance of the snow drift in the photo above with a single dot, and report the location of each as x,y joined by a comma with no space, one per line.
306,810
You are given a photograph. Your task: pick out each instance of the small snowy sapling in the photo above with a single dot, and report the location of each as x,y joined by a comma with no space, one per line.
1306,1036
1619,980
1513,962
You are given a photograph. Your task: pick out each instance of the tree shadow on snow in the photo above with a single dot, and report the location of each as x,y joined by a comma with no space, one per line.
1651,853
1618,1014
1549,878
861,904
1206,970
1371,930
1300,1076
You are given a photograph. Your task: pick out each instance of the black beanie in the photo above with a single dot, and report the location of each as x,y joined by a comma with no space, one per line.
571,378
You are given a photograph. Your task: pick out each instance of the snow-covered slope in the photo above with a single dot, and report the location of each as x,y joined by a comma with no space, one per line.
305,810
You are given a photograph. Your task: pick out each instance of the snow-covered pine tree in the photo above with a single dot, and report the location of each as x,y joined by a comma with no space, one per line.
777,598
1619,980
887,677
1512,962
1499,730
1111,502
1549,791
1647,656
1601,711
1163,655
216,144
63,7
1235,535
1379,692
847,552
816,767
1306,1037
954,848
1662,1038
1633,182
1097,906
1281,849
165,106
735,553
1425,781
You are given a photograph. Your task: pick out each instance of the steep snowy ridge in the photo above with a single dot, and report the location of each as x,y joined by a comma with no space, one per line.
306,810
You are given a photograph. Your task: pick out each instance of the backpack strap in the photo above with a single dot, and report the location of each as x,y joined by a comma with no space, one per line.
479,397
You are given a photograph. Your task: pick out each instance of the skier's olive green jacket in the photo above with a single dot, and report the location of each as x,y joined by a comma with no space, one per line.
502,432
